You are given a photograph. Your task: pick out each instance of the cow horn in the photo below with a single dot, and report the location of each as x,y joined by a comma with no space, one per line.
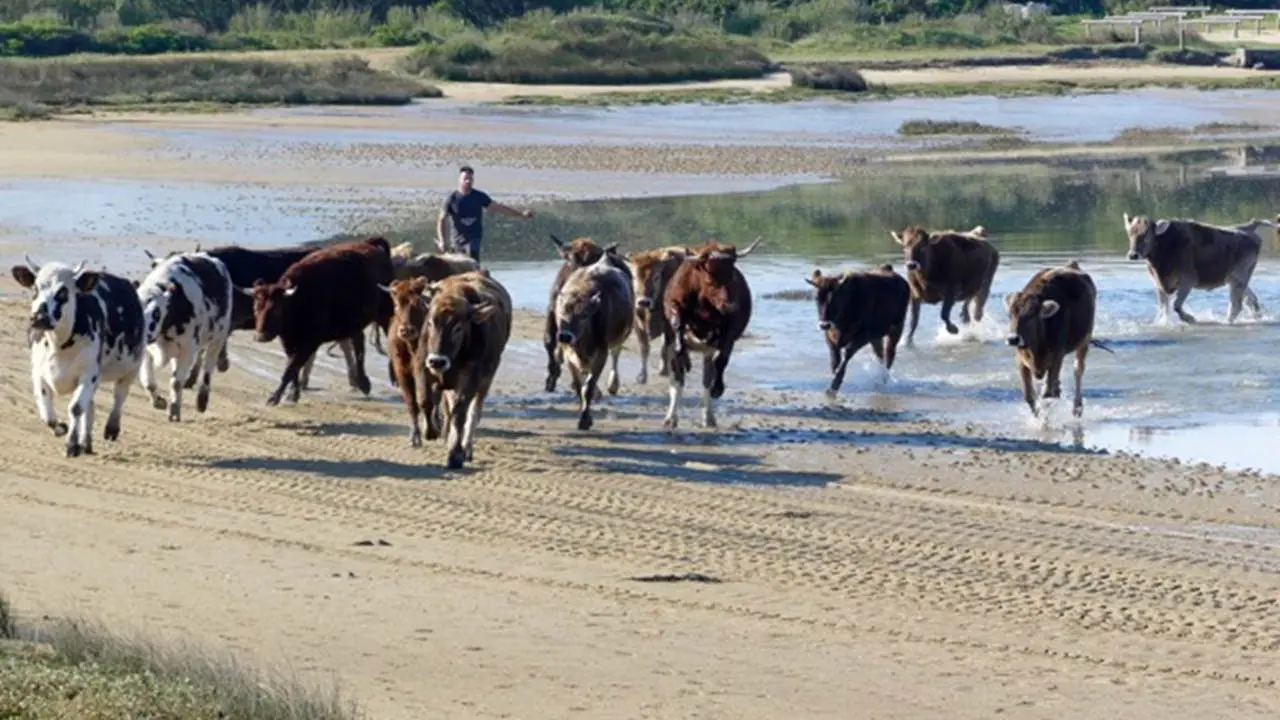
34,267
750,247
150,257
289,292
78,268
559,243
384,288
612,248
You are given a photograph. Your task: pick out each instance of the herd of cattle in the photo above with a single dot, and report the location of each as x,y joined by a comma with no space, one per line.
447,320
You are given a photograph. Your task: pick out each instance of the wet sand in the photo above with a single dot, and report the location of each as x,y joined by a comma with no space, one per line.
868,559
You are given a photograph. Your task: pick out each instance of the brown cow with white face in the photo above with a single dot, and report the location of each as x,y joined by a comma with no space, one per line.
467,325
577,253
948,267
593,321
708,307
652,270
1052,316
1186,255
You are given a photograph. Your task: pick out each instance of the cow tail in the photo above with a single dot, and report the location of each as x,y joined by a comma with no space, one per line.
1099,344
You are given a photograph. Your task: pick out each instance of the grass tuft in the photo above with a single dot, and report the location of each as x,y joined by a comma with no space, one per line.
949,127
828,76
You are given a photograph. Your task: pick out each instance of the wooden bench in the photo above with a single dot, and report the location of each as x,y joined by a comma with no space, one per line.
1258,13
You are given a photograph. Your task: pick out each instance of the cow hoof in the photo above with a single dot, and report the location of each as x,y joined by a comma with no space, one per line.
717,389
951,328
670,423
111,433
175,415
223,363
159,403
415,439
202,401
190,383
1078,411
596,394
86,449
273,400
551,384
585,422
832,392
73,450
456,459
642,378
58,427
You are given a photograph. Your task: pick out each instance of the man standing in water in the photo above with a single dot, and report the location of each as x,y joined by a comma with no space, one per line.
466,206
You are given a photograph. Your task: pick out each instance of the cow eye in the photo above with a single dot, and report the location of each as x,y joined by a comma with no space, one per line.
61,295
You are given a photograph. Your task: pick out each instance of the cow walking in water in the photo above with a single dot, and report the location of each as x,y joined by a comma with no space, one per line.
1186,255
86,328
857,308
594,314
1050,317
948,267
186,305
708,307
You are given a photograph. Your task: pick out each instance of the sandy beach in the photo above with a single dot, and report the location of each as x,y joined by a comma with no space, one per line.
862,562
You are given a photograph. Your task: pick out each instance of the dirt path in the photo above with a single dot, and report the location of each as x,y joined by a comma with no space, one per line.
861,567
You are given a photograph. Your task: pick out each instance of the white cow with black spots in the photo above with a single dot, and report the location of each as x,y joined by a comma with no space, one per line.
186,308
85,329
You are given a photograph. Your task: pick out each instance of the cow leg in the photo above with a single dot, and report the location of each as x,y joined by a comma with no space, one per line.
123,386
194,375
1028,390
304,376
709,378
182,365
1162,305
1235,303
553,350
838,378
147,375
891,346
44,405
206,371
1053,379
642,340
948,300
474,410
409,392
80,437
915,320
223,363
457,428
722,362
1184,289
614,380
675,389
964,311
1251,301
1077,405
357,351
291,371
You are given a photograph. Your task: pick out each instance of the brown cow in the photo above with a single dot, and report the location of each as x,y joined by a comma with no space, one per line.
593,321
708,307
1052,316
577,253
1186,255
434,267
410,301
652,271
331,294
857,308
467,325
948,267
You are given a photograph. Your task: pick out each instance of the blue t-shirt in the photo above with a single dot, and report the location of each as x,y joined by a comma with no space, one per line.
466,211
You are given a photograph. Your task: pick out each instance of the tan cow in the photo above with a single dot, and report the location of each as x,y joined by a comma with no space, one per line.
467,326
651,271
948,267
1186,255
577,253
593,321
433,267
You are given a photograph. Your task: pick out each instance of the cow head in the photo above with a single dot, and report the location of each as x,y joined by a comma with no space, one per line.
269,303
718,259
652,270
451,318
409,299
1027,315
581,251
915,247
825,291
1142,234
155,299
575,310
55,288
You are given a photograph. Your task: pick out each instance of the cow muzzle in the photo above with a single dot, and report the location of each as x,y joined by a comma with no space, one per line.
644,303
1015,341
407,333
438,362
912,265
565,337
824,326
1134,256
40,320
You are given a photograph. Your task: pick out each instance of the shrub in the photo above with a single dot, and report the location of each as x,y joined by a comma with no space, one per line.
1187,57
149,40
948,127
42,39
828,76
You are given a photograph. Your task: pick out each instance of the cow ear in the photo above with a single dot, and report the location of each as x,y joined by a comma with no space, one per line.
1049,308
896,237
87,281
138,283
814,278
1008,301
1161,226
24,276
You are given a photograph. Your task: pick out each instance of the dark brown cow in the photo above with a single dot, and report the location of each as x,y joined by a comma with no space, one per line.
577,253
1052,316
708,307
1185,255
466,329
594,312
948,267
410,302
652,270
860,307
329,295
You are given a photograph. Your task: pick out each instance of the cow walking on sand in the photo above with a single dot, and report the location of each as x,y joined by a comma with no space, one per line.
467,325
857,308
1186,255
652,270
1050,317
577,253
85,328
186,304
410,302
948,267
708,307
594,315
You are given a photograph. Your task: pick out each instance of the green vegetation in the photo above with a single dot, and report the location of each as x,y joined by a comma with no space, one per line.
30,88
949,127
77,670
586,48
828,76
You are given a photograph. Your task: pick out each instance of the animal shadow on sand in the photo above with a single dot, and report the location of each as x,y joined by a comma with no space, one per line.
325,429
431,467
725,468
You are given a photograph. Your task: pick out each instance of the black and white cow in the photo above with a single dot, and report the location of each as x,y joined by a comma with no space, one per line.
186,307
85,328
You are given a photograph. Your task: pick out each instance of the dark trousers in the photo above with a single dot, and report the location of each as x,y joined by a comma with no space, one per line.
472,249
